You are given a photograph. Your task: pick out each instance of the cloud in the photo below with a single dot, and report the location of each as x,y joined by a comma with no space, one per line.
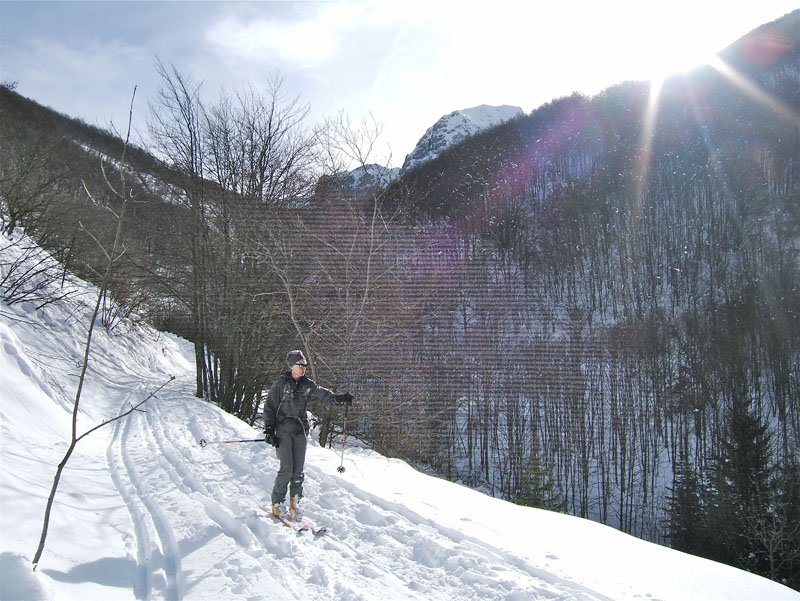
264,41
307,39
92,80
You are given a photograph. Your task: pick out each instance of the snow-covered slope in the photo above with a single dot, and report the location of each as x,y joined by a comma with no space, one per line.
455,127
144,512
370,176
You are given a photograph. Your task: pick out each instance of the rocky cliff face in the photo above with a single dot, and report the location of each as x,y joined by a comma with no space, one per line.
455,127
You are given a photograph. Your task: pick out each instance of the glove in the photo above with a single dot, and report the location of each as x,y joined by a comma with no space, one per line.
269,436
343,399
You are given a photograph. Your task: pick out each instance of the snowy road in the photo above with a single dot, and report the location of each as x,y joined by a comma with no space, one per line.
199,534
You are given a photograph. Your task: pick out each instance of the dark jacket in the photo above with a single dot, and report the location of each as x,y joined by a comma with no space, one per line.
285,407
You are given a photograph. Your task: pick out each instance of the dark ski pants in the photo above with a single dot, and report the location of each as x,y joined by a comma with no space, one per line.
292,454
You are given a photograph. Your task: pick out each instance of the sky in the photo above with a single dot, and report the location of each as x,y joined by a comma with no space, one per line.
403,64
143,511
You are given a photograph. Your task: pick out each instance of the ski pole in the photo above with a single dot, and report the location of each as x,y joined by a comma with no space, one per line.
204,442
340,469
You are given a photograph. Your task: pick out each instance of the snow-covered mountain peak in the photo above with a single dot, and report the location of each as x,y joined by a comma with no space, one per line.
455,127
367,176
448,130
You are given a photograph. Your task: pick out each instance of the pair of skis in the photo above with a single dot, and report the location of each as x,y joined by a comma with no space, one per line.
300,524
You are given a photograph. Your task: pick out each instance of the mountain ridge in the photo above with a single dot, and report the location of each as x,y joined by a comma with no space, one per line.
449,130
456,126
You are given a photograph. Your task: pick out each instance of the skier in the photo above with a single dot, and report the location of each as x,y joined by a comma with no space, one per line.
286,428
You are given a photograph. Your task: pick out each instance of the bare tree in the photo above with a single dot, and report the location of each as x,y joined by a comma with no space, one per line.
31,275
31,170
176,126
113,255
334,263
239,161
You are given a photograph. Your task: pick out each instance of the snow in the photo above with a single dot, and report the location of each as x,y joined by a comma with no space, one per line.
366,176
455,127
144,512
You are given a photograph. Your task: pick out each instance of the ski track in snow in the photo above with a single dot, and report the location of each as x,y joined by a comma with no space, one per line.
118,470
158,558
190,505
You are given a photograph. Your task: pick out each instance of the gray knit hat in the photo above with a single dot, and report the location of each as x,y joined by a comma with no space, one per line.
294,357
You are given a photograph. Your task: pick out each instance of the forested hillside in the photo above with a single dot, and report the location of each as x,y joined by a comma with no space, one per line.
624,329
594,307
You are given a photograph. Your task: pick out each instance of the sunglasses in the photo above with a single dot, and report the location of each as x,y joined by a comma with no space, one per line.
303,365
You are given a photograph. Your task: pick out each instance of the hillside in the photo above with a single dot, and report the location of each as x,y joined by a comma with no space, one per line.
145,512
592,308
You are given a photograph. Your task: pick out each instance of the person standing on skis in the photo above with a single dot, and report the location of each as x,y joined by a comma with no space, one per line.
286,428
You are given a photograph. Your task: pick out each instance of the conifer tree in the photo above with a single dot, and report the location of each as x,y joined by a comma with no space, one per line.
685,523
538,487
740,495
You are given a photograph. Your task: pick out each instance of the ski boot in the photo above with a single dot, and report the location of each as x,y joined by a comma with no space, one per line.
295,511
279,510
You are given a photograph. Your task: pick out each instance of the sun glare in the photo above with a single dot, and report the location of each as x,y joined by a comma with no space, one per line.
657,63
762,48
664,40
757,93
679,58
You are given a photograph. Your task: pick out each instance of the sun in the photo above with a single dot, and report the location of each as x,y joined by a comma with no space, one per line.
657,63
663,60
660,40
